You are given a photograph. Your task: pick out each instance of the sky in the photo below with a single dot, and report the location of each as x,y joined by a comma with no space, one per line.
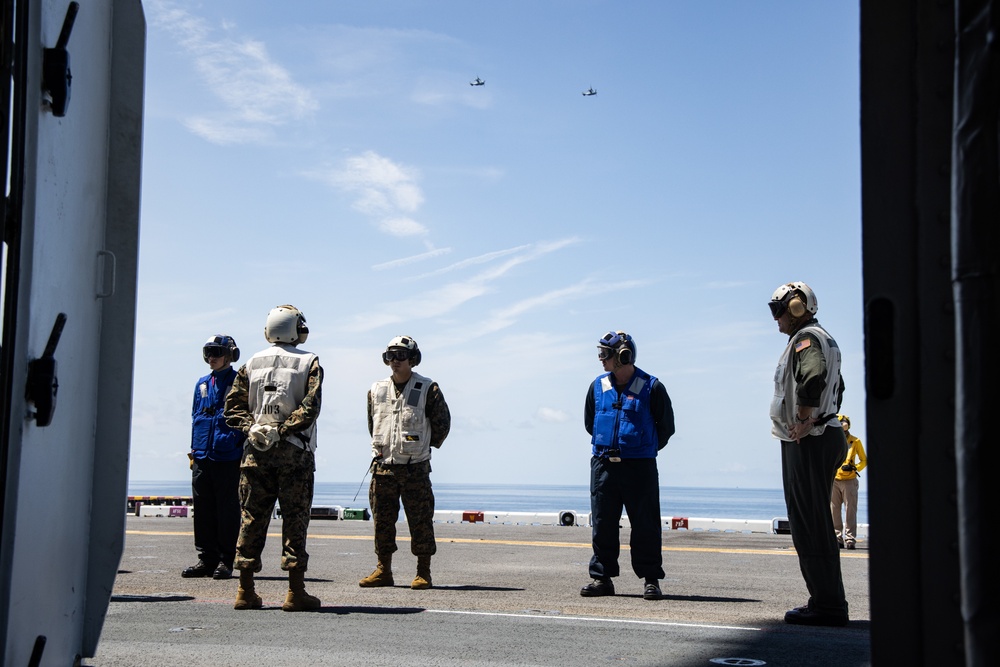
333,156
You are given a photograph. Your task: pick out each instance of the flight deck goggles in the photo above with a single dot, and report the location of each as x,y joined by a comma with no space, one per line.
397,354
778,308
214,351
612,341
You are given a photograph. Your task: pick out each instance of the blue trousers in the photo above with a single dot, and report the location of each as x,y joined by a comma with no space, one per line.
635,485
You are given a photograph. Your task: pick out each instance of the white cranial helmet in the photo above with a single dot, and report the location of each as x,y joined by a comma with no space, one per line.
405,343
796,297
286,324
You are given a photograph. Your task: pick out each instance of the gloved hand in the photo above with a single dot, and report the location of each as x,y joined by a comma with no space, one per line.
258,436
272,436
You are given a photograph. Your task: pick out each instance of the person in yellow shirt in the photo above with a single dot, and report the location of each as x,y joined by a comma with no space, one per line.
845,488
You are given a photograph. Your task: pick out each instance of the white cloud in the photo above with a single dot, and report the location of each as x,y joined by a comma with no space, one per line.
448,297
221,130
383,190
402,227
256,93
508,316
443,95
551,415
383,186
396,263
472,261
433,303
533,252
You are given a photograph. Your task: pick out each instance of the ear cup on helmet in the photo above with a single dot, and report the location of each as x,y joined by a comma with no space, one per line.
625,356
796,307
301,329
286,324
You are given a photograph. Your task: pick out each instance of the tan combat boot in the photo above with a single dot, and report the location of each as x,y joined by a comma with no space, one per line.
382,576
423,578
297,598
246,597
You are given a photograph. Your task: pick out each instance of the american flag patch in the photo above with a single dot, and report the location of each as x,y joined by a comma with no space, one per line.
802,344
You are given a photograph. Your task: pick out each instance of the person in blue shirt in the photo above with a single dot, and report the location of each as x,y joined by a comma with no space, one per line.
215,455
630,418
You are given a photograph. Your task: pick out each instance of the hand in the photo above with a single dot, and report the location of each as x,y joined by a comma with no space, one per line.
799,430
272,436
258,436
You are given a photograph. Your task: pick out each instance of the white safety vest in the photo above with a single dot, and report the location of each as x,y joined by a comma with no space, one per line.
401,432
279,379
782,410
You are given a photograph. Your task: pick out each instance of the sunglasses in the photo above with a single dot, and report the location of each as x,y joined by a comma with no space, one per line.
605,353
395,355
215,351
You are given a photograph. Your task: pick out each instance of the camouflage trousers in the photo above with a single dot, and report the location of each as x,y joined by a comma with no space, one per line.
285,474
411,483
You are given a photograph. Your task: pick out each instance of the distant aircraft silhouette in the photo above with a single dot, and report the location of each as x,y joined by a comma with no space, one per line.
590,91
477,82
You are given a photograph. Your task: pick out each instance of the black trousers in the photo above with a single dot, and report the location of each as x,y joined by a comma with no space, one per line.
215,487
635,485
807,471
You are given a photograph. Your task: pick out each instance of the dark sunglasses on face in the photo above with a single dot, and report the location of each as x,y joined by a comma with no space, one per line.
215,351
395,355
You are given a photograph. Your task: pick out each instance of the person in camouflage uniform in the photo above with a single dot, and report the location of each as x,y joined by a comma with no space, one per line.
275,401
407,416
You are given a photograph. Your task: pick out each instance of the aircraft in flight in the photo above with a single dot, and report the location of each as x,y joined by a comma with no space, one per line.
590,91
477,82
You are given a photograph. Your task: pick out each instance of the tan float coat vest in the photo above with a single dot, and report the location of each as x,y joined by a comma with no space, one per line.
401,432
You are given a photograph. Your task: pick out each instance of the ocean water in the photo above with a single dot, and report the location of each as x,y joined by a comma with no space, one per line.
714,503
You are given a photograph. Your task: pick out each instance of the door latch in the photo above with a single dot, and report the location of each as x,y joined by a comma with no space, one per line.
42,382
56,77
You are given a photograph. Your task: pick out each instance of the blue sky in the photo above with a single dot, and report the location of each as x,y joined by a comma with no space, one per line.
333,155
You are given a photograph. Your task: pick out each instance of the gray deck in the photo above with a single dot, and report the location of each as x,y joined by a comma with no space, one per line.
503,595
